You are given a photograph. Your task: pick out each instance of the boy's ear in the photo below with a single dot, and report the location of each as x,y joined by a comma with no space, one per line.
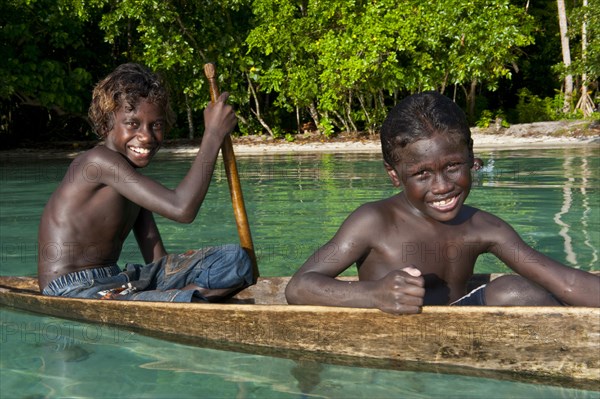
393,175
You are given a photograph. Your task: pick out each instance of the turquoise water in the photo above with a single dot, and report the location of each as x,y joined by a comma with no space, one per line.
295,203
49,357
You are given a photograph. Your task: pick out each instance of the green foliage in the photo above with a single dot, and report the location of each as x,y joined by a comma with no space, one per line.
326,127
590,63
479,39
487,118
251,127
278,132
342,56
341,64
532,108
178,38
44,56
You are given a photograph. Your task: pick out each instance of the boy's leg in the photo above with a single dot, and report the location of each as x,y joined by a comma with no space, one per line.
89,283
515,290
215,272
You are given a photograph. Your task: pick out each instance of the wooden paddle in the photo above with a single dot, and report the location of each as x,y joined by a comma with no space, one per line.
235,188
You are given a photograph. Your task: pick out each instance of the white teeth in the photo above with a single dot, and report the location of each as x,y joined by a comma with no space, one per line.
442,203
140,150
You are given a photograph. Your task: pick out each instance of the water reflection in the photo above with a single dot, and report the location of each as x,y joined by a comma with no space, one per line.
566,207
49,357
588,212
295,203
549,197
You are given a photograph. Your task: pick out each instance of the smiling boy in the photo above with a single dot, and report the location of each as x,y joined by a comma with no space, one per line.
419,247
103,197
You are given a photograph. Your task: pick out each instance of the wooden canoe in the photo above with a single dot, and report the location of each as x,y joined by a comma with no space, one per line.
540,344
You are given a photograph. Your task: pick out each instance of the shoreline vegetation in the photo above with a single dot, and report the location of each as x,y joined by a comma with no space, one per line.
537,135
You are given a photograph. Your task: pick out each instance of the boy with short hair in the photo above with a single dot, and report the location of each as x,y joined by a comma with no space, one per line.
103,197
419,247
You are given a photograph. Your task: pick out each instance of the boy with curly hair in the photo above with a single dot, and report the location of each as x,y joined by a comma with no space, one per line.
103,197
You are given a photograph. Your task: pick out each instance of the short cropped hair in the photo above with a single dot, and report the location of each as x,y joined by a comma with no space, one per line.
126,86
420,116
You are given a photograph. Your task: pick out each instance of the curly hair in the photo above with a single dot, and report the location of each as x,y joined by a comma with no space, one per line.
125,87
420,116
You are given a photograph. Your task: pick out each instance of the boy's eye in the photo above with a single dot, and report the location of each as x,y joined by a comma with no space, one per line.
422,174
455,168
158,125
131,124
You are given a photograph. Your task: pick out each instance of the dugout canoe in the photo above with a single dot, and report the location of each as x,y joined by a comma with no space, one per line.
536,343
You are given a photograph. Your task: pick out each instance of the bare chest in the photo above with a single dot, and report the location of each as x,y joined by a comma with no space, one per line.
119,216
448,254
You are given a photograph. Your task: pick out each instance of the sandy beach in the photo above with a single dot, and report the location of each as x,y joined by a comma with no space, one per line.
539,135
534,135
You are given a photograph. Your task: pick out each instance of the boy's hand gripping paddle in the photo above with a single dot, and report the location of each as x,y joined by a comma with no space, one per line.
235,188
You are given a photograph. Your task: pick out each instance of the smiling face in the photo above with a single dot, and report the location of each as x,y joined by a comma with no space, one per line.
435,174
137,132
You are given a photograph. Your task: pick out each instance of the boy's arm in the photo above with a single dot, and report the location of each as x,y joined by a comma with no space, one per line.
400,291
148,237
182,203
572,286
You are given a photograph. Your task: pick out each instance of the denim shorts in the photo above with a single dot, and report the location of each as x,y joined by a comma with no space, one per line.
473,298
226,266
82,281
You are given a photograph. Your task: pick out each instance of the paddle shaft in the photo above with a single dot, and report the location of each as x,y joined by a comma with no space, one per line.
233,179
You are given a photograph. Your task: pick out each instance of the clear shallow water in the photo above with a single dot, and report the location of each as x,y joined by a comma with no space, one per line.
295,203
49,357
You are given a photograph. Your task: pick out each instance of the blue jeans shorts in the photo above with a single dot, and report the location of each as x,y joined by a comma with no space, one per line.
226,266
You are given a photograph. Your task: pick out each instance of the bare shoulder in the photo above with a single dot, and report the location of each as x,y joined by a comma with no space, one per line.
489,226
485,218
101,165
375,212
97,157
366,221
101,156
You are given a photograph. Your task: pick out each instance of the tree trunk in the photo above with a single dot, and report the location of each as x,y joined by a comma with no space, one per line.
471,101
370,128
257,106
190,117
349,113
444,82
342,120
566,53
298,127
314,114
585,102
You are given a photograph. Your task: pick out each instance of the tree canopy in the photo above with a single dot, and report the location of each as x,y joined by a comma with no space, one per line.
337,64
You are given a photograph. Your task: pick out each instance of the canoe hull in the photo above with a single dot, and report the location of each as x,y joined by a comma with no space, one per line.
535,341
